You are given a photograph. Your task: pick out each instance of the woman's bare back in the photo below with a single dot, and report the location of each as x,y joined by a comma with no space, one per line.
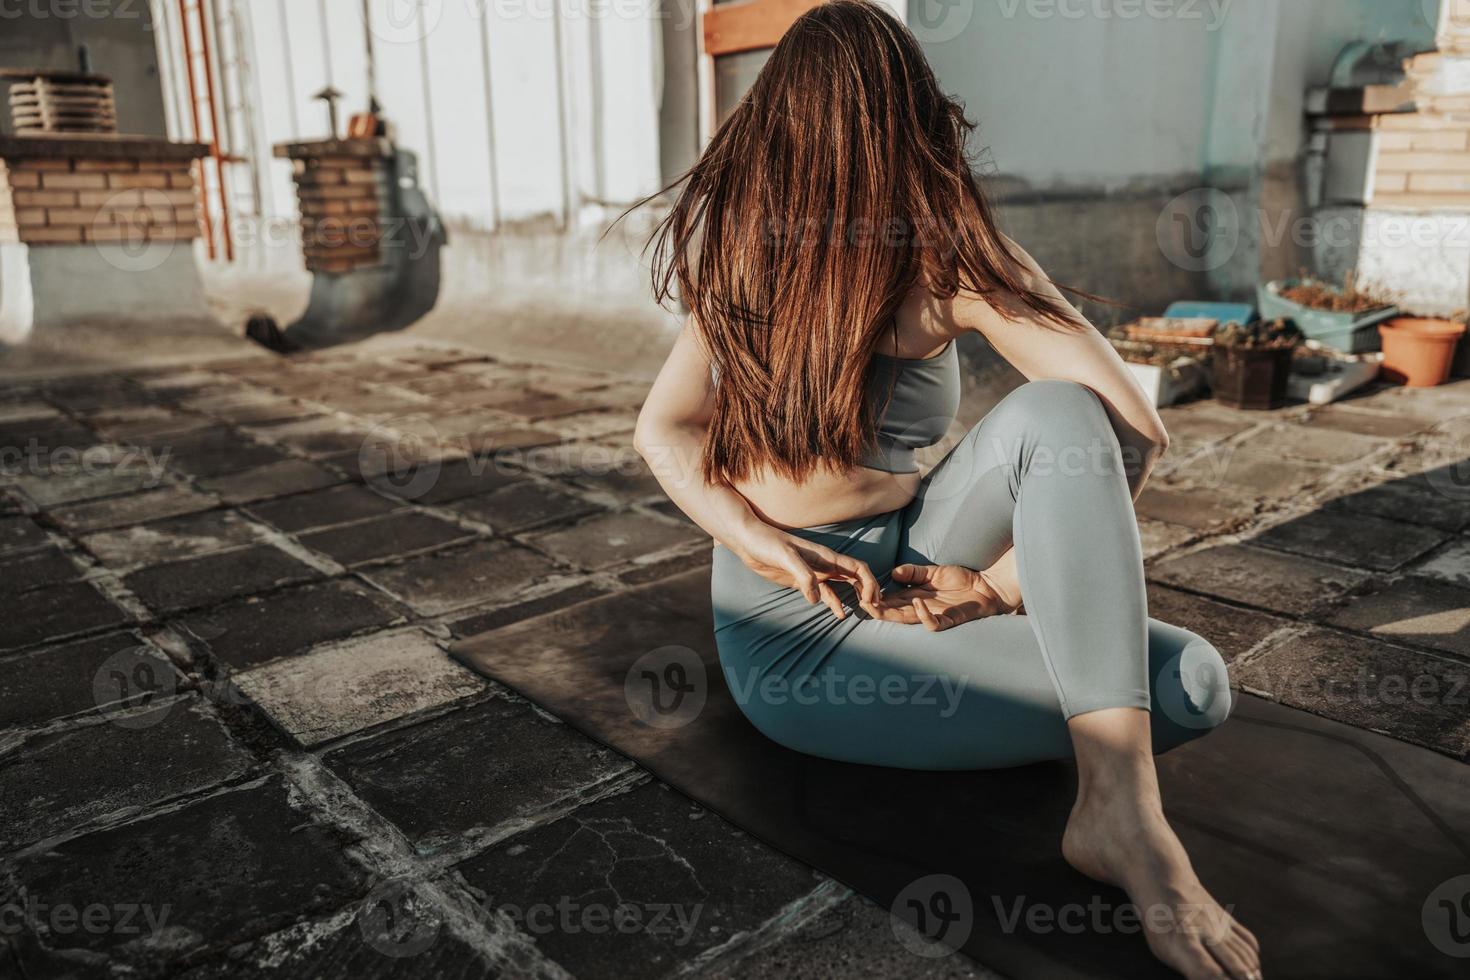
828,496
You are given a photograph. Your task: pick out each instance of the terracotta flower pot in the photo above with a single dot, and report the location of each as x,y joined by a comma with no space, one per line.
1418,352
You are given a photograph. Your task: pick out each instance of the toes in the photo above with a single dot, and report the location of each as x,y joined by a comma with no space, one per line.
1190,957
1231,959
1247,937
1249,956
1200,965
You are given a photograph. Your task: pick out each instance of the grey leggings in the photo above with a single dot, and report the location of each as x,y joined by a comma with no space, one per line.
1042,471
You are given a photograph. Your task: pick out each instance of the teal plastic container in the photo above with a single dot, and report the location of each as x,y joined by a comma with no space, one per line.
1351,333
1241,313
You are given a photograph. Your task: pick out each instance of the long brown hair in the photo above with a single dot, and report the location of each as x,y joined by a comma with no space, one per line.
838,182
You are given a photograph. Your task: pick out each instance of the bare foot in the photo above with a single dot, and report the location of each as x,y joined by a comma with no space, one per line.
1129,844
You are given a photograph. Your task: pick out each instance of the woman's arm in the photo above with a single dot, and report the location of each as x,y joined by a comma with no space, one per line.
670,436
672,428
1041,350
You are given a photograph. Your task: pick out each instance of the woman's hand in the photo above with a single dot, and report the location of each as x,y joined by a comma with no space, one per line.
807,567
940,597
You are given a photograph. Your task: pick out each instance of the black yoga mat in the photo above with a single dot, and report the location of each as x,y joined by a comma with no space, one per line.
1333,844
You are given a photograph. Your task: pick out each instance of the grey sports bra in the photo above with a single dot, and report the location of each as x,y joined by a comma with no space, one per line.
926,396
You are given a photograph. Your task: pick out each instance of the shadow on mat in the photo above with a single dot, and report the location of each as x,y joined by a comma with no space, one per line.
1341,848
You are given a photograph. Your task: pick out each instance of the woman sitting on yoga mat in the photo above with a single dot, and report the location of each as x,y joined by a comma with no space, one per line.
832,245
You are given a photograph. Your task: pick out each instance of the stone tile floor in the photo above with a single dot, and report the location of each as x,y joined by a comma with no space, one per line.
232,743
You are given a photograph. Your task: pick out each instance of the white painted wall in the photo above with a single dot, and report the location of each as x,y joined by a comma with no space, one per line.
1068,93
471,86
1107,93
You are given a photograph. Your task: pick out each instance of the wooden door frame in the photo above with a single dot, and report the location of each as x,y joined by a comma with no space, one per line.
730,28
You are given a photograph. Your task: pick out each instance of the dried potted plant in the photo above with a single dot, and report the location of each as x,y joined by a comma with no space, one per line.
1342,317
1168,372
1251,363
1171,330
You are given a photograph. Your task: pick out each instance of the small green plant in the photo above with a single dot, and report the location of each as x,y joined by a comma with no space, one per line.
1260,335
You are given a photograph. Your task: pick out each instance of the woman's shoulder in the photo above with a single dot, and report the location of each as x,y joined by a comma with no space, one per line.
925,323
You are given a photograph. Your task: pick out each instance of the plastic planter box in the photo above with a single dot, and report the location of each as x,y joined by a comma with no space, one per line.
1221,312
1251,377
1342,375
1168,385
1352,333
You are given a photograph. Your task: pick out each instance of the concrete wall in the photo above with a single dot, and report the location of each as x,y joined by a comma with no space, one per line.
678,108
1088,102
119,35
1149,150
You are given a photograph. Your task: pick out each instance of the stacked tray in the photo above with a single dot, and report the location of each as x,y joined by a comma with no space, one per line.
60,102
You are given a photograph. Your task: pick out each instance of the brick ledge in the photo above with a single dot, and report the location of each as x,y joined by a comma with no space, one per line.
102,147
375,147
